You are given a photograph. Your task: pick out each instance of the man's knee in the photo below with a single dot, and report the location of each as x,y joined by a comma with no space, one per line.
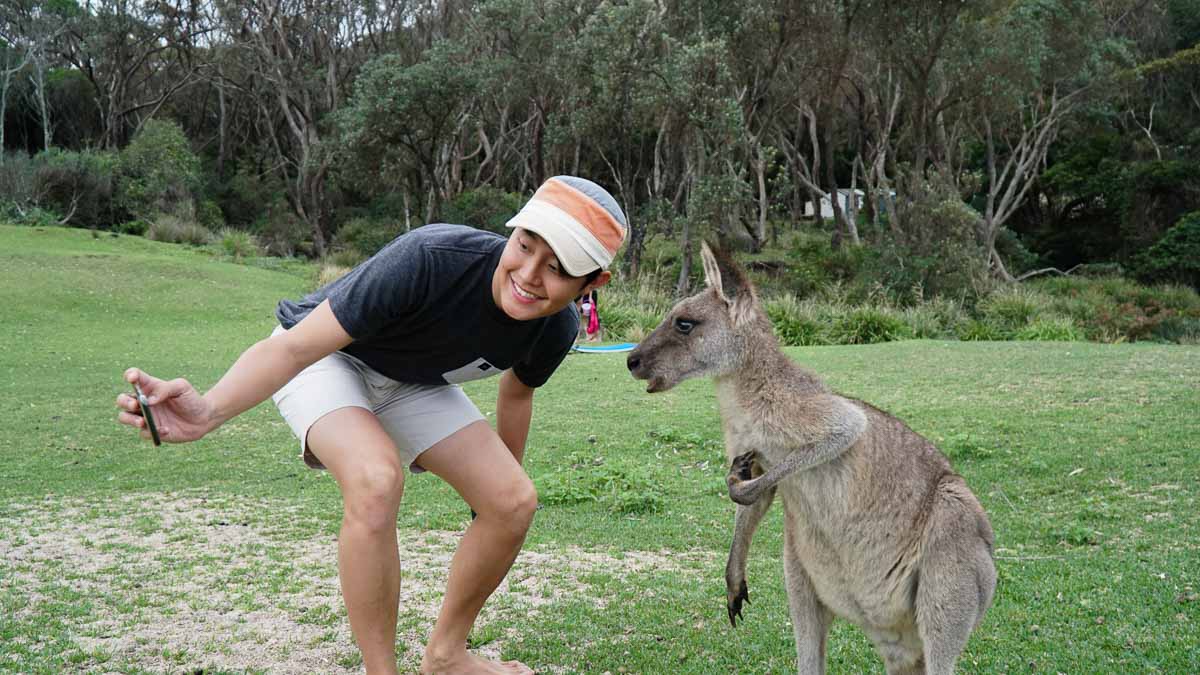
372,493
514,507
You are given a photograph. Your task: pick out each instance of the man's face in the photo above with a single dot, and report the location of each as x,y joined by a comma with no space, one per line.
529,283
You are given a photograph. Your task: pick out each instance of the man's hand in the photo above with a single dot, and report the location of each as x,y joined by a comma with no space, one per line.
181,412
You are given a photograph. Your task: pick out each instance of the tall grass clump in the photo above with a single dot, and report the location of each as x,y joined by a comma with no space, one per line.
1050,329
798,323
1011,308
238,244
629,311
1115,309
176,230
870,325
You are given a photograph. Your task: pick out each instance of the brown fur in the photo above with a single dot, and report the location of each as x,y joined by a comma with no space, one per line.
878,529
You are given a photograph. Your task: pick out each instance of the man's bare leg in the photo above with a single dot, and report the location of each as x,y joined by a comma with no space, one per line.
352,444
476,463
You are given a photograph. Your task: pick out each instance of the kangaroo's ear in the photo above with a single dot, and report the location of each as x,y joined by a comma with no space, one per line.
712,272
721,273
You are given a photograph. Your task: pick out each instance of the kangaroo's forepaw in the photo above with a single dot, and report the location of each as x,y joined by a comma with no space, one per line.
743,466
734,600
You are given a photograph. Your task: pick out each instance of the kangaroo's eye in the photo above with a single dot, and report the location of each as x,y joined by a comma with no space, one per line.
684,326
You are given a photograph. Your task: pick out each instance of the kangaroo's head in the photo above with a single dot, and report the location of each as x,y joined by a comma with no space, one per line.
706,334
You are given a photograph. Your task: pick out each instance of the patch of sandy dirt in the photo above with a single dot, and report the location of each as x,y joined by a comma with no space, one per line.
178,583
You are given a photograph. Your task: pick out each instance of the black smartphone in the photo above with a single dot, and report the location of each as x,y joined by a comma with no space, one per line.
147,415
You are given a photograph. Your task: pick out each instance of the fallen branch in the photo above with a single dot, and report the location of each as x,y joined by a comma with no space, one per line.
1046,270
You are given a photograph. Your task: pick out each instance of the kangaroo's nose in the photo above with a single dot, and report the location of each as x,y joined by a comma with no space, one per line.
633,362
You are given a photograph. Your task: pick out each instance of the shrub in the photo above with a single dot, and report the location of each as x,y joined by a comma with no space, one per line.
157,172
209,214
869,325
630,312
1176,256
1011,308
137,226
238,244
175,230
936,253
976,330
486,208
794,321
328,274
1050,329
366,235
936,318
33,216
78,184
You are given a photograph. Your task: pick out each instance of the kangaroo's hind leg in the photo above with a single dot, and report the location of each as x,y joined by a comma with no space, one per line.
957,578
810,618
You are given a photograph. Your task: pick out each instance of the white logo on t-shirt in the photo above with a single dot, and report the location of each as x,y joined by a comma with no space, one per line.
475,370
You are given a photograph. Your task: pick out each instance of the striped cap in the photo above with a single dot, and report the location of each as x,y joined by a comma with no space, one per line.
580,221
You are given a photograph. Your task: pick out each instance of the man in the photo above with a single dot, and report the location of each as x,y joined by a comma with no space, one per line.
366,371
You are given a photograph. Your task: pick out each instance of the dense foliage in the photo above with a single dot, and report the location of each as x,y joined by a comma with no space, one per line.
949,143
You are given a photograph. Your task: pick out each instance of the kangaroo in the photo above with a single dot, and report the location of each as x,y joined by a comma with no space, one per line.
878,529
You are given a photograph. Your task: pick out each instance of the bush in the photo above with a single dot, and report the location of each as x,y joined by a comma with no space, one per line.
238,244
32,216
937,253
485,208
869,325
328,274
175,230
630,312
157,172
366,235
976,330
1011,308
1175,257
137,227
794,321
78,184
1050,329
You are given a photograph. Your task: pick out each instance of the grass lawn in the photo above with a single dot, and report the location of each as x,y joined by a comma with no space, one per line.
220,555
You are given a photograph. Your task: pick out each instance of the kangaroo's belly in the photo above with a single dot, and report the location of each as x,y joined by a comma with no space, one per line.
858,569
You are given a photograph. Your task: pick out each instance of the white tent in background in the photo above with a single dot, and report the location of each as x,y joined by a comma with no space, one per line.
843,201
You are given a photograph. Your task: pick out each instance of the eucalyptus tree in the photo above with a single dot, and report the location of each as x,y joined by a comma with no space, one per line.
530,46
1042,60
616,114
13,60
406,123
297,58
135,55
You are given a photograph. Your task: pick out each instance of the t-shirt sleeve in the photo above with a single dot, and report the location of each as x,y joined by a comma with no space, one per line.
386,288
550,349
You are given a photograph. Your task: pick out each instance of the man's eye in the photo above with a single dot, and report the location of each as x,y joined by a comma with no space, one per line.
684,326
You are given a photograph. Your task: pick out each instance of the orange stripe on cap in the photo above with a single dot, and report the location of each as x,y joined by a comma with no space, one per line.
603,226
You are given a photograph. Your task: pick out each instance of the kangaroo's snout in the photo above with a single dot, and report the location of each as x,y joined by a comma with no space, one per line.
633,361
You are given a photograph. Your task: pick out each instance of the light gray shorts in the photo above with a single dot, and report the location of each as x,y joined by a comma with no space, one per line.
415,416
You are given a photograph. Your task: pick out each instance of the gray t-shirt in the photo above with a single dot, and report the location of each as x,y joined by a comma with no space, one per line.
421,310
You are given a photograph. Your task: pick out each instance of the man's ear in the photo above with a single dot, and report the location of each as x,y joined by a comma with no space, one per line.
601,279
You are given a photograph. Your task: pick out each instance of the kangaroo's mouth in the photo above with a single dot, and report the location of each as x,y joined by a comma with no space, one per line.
657,384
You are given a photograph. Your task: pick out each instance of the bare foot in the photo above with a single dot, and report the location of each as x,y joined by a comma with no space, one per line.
466,663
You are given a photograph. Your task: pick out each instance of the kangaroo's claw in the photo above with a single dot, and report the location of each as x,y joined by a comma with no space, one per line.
734,604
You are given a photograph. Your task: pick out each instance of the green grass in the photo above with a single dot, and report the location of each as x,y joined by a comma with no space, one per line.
118,556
